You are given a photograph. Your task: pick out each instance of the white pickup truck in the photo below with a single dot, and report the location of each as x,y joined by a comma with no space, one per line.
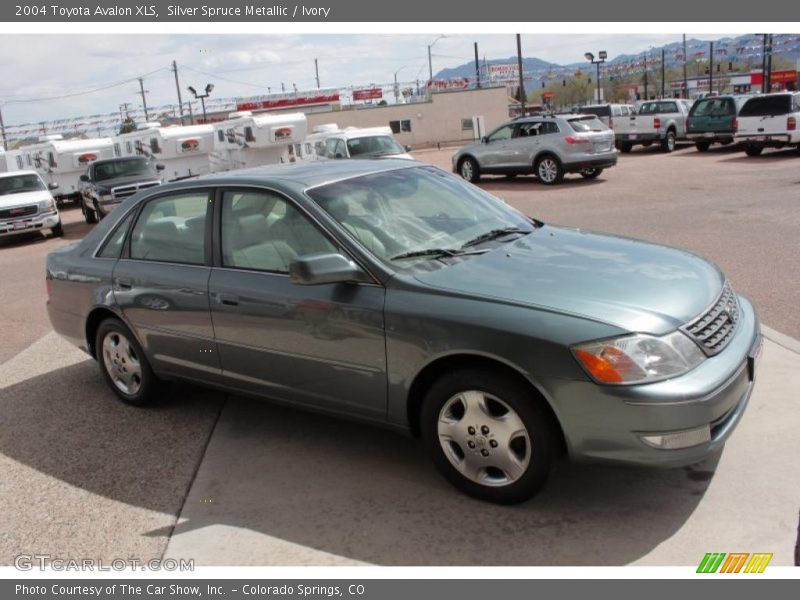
769,121
662,121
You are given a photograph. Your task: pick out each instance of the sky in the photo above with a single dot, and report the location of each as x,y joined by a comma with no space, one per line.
34,67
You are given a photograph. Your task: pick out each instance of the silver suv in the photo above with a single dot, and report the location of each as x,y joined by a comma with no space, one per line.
546,146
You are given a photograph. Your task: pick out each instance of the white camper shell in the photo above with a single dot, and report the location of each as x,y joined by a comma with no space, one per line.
248,140
62,161
183,150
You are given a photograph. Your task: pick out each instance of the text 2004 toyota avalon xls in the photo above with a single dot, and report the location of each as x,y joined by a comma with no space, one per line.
395,293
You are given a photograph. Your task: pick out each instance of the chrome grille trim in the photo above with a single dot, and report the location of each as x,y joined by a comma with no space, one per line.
714,329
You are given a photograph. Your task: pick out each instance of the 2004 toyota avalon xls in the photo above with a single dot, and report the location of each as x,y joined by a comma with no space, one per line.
393,292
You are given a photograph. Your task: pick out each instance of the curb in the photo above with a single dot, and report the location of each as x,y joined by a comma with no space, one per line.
781,339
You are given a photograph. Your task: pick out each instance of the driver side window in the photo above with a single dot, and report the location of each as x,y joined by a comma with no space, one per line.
503,133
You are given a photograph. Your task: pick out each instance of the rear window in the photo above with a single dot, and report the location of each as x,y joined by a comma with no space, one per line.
767,105
713,107
656,108
600,111
587,124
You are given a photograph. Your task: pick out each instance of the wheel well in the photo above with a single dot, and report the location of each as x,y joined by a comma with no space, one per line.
434,370
97,316
672,129
542,154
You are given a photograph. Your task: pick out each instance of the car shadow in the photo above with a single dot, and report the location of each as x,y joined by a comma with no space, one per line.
505,183
767,156
639,151
339,487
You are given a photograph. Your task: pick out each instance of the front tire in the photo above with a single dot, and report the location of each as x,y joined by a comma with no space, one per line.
549,170
591,173
469,170
753,150
88,214
58,230
488,435
124,365
625,147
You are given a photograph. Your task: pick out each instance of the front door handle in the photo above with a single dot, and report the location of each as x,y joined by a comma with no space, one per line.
228,299
123,283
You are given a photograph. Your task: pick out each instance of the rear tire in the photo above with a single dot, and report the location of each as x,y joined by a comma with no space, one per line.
625,147
88,214
591,173
124,365
668,143
549,170
469,170
753,150
488,435
702,146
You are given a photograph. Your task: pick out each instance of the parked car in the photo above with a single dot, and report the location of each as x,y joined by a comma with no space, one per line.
655,121
547,146
27,204
713,120
395,293
369,142
769,121
608,113
108,182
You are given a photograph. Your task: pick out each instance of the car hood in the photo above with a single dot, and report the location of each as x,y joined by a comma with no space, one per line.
630,284
24,198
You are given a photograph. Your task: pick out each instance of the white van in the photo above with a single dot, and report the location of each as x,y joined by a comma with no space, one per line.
769,121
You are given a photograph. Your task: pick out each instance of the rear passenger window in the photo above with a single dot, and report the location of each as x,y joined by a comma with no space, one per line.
261,231
172,229
113,245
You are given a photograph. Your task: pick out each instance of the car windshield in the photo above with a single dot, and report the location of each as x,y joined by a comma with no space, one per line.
123,168
408,216
767,105
587,124
21,183
373,146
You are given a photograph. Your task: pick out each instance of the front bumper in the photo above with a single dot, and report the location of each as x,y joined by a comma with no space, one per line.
30,223
607,423
106,204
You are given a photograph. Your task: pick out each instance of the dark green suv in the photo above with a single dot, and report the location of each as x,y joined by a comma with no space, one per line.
712,120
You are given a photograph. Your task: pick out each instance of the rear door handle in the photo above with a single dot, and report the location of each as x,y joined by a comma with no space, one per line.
124,283
228,299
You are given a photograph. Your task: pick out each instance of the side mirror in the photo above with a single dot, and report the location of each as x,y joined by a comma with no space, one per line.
484,140
317,269
85,178
160,167
407,148
52,186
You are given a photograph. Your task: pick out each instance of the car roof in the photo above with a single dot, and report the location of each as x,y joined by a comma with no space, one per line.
14,173
310,174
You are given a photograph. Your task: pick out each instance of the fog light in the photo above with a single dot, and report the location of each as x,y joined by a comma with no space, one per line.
679,439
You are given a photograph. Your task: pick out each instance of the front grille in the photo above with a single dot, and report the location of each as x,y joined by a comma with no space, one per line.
18,212
715,328
124,191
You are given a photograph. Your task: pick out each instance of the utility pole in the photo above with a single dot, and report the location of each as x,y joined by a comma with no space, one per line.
144,100
3,129
477,67
711,67
685,81
178,87
768,74
521,75
646,97
316,70
663,75
764,65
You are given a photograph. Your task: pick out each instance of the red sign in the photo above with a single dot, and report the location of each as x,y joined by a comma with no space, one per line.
85,158
287,101
776,77
548,95
367,94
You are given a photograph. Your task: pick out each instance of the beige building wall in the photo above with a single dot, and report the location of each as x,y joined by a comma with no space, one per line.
434,122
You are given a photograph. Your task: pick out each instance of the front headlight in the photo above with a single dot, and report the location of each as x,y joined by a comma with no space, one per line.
639,358
47,205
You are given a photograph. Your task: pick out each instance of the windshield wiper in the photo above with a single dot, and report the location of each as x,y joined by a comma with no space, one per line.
437,252
493,234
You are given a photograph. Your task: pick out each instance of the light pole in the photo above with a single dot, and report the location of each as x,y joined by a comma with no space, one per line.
202,97
601,58
396,87
430,62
